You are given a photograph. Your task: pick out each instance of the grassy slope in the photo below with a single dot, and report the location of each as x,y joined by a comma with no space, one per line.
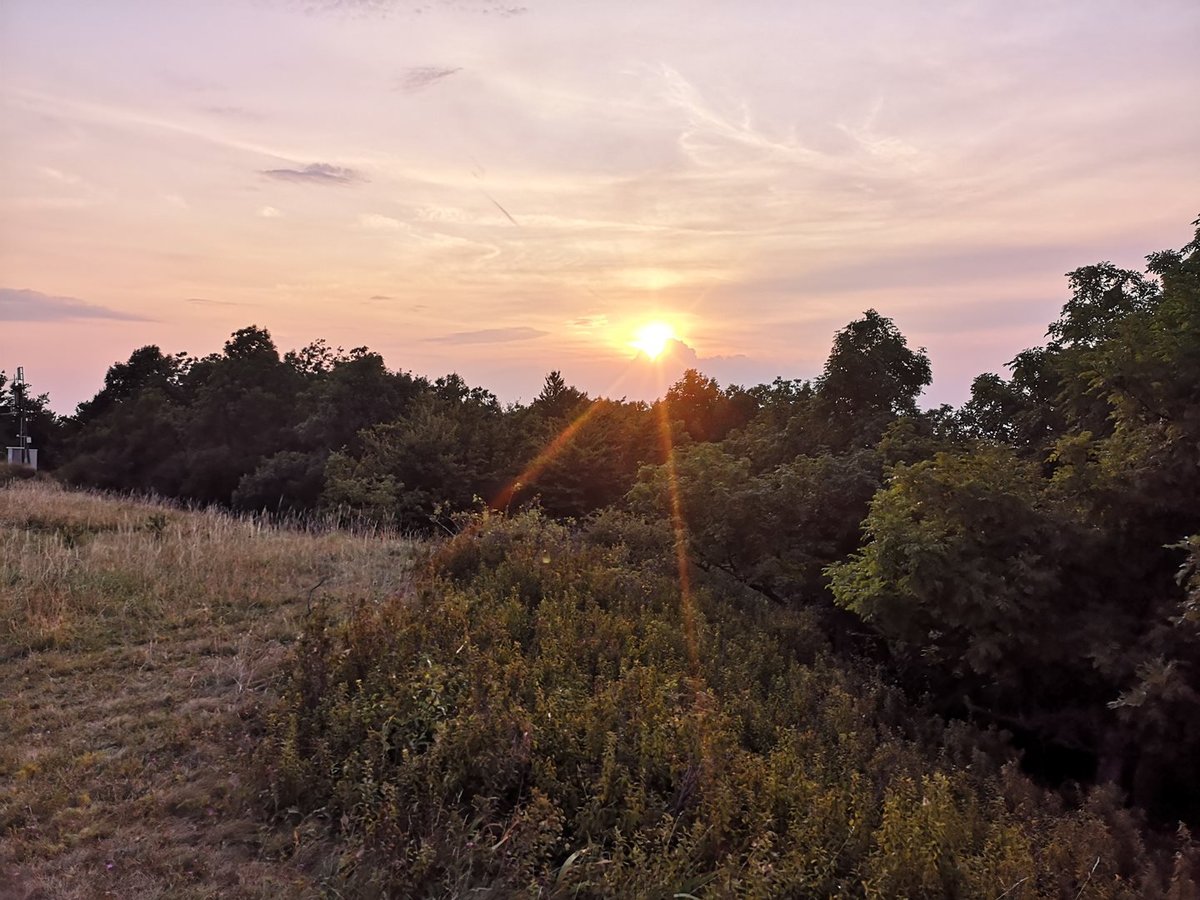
137,646
141,645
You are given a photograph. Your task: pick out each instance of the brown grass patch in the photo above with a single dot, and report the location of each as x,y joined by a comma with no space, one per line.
138,646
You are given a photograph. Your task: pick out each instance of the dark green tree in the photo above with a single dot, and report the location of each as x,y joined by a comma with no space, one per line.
353,393
147,368
964,564
871,372
557,400
706,412
1023,411
241,407
449,447
593,460
773,531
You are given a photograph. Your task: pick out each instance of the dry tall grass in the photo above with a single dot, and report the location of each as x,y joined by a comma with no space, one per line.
137,644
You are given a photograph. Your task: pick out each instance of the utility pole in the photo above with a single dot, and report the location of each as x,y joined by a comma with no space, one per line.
23,454
22,425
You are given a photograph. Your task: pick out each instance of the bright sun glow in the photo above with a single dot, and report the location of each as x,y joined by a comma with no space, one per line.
652,338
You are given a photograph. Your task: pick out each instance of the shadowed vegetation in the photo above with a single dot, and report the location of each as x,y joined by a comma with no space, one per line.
796,639
532,721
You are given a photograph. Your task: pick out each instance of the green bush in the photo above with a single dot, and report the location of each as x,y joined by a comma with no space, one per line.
545,716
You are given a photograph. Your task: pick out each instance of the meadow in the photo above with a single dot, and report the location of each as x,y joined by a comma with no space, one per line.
200,705
389,638
138,644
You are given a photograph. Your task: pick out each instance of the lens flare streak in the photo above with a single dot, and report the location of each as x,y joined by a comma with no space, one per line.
702,701
679,529
543,459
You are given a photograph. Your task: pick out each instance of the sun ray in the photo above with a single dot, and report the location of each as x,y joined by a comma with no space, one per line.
702,700
553,448
538,464
679,531
503,499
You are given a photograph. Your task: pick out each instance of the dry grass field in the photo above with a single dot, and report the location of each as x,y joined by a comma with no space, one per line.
139,646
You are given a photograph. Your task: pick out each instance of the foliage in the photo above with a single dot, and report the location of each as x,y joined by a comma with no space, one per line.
871,376
589,462
42,426
965,570
1019,559
288,481
706,412
545,715
1022,411
444,450
774,531
245,427
990,554
558,401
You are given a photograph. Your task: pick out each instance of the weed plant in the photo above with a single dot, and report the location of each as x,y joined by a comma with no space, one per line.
545,715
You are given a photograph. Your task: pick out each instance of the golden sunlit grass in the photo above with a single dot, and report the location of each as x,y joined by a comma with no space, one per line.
652,338
138,643
139,646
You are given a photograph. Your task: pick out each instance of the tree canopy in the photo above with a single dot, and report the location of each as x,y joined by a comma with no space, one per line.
1016,562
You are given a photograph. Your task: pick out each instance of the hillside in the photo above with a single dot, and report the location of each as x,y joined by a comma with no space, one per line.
138,644
528,709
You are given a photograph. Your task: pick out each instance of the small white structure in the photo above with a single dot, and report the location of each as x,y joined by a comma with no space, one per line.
18,456
23,454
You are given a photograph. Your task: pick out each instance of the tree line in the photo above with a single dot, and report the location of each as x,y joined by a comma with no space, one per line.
1030,561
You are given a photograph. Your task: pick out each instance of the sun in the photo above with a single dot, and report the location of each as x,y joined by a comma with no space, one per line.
652,338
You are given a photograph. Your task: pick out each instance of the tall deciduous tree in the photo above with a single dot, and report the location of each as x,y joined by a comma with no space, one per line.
871,370
870,377
964,564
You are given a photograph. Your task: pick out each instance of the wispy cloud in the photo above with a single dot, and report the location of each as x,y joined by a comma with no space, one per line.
764,185
589,322
23,305
317,173
491,336
377,222
356,8
207,301
59,176
134,117
417,78
238,113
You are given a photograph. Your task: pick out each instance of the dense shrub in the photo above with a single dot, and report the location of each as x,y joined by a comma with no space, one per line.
545,715
10,472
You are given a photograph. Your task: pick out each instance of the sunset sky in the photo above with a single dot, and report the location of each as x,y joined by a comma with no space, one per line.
500,189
